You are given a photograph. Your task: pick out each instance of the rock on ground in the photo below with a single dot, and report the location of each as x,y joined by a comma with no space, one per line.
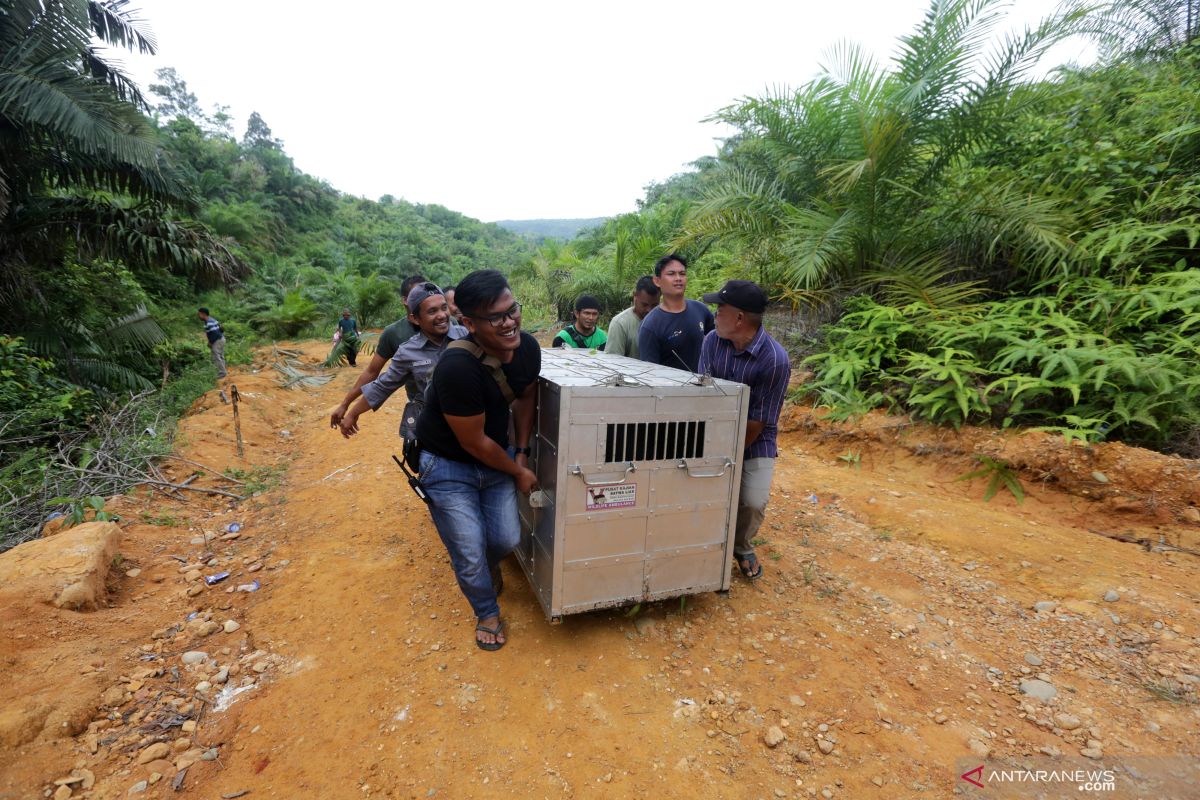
1040,689
67,570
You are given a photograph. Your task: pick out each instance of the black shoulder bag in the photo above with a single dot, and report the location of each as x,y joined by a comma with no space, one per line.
411,465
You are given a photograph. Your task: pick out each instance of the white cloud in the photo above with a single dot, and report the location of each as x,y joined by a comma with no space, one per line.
504,110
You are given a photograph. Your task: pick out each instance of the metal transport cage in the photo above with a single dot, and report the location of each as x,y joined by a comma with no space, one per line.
639,467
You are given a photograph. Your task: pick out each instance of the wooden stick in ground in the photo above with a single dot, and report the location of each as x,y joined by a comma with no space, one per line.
172,493
237,422
193,488
215,472
133,481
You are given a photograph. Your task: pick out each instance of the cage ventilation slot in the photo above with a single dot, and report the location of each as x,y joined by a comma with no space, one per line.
653,441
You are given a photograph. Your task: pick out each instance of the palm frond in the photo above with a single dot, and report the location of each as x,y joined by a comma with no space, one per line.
98,373
819,244
937,57
136,330
112,73
142,235
925,279
115,24
48,95
1145,28
744,205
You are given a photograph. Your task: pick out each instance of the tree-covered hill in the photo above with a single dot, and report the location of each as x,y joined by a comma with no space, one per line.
301,235
562,229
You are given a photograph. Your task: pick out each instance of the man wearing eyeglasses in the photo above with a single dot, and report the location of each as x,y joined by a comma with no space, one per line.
468,469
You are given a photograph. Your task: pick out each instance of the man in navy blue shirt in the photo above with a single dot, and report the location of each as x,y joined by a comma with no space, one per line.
741,350
672,333
216,340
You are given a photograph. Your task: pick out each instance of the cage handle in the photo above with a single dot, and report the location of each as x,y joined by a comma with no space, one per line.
578,470
724,468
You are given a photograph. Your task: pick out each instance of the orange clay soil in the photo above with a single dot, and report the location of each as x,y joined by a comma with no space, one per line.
881,652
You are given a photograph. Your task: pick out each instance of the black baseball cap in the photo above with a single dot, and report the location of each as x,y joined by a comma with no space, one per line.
419,294
746,295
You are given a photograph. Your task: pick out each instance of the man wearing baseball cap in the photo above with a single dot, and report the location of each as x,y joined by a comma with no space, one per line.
390,340
429,314
740,349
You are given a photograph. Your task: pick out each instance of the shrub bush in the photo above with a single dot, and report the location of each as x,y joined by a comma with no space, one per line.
1094,359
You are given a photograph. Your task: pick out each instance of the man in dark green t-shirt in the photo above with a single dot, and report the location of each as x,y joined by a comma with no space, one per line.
584,332
390,340
348,336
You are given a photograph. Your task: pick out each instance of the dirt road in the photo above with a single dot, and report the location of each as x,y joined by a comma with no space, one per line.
892,645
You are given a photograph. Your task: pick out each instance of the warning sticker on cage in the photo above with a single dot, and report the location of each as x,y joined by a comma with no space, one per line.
617,495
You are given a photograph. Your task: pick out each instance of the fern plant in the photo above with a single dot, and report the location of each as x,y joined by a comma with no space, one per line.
999,474
1096,359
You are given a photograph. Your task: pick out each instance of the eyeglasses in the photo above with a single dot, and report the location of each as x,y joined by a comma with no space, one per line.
496,320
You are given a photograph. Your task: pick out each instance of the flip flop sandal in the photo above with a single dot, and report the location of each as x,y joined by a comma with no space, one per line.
750,567
496,631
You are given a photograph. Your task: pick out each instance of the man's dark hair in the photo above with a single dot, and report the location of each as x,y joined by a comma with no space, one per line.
449,288
203,310
586,301
479,289
408,284
661,264
646,284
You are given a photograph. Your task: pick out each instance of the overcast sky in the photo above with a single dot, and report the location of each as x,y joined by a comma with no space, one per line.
506,110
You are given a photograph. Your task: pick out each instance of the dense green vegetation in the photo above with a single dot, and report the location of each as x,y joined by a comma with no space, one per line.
312,250
122,211
997,250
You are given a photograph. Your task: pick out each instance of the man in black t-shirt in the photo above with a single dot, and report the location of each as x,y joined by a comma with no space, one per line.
466,468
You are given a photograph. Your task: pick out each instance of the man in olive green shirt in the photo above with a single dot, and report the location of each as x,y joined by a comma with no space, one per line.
390,340
623,330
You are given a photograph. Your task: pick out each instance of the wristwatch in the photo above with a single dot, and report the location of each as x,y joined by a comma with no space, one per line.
523,451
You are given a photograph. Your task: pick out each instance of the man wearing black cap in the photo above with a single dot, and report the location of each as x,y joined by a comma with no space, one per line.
584,333
740,349
413,360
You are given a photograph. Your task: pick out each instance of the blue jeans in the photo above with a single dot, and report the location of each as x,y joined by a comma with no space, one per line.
475,510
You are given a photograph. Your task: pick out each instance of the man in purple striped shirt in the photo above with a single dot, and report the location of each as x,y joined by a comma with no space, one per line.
741,350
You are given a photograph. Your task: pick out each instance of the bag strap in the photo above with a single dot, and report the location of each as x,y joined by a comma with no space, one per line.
491,363
576,337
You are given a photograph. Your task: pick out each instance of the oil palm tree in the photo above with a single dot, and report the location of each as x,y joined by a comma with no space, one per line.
82,179
850,177
1148,28
81,173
